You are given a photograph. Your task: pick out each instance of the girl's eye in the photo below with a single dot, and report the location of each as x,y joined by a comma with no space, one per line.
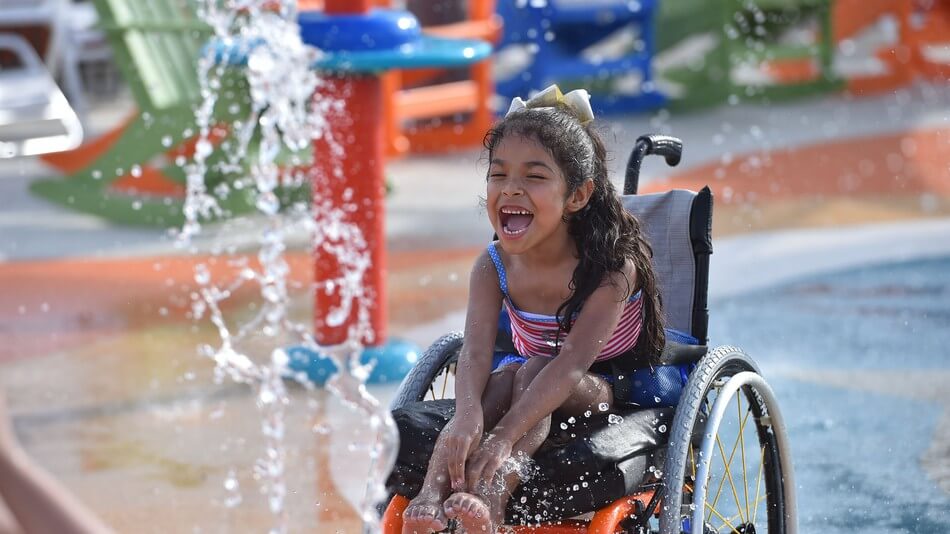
496,175
536,176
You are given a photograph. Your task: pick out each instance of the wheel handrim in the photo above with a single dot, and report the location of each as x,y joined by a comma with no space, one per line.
742,490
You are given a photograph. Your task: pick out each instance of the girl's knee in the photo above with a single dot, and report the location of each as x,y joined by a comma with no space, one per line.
497,396
527,373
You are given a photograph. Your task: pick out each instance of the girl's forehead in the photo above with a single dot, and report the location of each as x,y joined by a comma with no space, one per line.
514,148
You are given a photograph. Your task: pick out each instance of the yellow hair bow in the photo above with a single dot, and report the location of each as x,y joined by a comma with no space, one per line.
578,101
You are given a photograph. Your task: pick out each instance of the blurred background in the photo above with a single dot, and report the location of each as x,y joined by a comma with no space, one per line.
821,126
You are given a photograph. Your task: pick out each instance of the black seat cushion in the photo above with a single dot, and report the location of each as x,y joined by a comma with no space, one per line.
582,466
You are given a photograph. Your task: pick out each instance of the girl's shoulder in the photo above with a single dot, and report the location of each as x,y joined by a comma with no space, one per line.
485,268
624,279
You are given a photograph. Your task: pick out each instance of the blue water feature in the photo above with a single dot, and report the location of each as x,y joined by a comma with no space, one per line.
857,453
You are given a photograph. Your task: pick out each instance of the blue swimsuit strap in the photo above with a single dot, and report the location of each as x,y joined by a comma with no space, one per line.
500,267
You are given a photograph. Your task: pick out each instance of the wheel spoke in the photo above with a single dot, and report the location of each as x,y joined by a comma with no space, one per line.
728,464
445,380
745,481
725,521
728,471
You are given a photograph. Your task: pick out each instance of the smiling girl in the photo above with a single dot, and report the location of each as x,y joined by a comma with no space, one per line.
573,272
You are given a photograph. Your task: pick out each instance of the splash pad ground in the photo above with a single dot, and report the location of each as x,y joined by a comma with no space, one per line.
99,363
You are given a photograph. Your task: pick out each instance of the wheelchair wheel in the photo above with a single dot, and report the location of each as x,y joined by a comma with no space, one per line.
433,376
737,480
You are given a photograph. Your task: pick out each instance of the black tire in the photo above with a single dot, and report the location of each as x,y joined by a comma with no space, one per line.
435,361
699,394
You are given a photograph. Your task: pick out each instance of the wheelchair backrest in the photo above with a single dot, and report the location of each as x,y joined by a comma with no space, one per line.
678,226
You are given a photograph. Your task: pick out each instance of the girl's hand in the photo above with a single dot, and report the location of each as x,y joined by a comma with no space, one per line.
464,432
485,462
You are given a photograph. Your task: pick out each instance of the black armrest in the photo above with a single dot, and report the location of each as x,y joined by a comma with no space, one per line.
675,353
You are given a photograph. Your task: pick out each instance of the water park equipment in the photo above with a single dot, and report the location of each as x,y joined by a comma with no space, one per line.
360,43
605,46
132,174
930,38
907,38
718,460
35,117
769,49
883,26
437,109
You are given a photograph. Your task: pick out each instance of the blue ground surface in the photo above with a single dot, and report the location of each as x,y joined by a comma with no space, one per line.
856,453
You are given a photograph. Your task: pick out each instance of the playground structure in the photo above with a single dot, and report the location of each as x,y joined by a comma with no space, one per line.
353,69
604,47
433,109
133,174
915,40
758,49
777,49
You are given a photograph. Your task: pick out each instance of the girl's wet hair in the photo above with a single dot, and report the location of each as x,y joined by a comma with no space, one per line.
606,234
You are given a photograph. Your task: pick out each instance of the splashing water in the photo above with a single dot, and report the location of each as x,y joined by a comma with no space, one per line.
283,116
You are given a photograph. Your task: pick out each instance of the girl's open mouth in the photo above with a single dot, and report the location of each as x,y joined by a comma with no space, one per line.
514,221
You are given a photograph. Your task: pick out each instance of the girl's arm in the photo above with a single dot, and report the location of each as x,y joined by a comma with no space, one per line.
481,327
552,386
474,367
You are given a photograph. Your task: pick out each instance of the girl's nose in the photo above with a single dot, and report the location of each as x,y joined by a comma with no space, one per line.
512,188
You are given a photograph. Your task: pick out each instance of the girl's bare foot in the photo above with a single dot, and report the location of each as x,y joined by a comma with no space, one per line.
472,511
424,515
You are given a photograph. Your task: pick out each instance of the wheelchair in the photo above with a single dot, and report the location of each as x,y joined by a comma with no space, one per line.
718,460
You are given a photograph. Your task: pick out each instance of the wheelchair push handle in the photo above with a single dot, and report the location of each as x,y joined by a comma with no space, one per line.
671,148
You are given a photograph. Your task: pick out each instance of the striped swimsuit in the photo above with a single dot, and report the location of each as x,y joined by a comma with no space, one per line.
540,335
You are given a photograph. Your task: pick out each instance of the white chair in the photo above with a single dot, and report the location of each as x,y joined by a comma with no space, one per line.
62,51
35,117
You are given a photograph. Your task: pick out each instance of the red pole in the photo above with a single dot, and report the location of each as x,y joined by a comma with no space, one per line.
358,128
336,7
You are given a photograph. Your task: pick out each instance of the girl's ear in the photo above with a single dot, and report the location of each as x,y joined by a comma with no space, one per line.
581,196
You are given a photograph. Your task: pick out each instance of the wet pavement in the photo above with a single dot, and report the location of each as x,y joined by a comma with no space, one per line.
833,277
859,360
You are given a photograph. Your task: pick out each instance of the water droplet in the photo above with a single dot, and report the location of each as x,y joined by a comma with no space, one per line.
202,276
167,141
136,171
203,149
614,419
603,406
